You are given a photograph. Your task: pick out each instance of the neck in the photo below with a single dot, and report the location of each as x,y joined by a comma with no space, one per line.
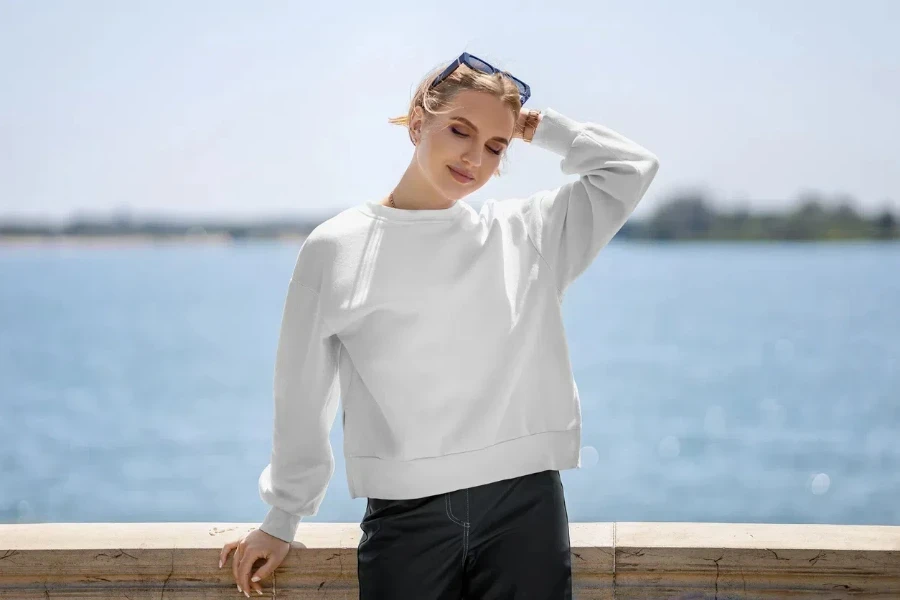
414,192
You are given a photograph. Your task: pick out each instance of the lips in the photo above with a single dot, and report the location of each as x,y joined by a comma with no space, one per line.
460,175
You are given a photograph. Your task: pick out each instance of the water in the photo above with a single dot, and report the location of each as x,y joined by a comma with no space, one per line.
719,382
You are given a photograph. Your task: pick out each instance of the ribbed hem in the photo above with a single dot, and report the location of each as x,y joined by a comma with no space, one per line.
555,132
370,477
389,213
281,524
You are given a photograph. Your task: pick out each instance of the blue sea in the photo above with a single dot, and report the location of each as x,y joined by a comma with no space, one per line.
729,382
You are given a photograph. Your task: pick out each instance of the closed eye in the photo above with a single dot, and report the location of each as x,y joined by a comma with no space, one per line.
461,134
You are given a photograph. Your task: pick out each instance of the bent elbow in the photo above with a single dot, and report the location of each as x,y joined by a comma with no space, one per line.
651,162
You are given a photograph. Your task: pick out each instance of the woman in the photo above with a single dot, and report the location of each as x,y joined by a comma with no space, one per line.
440,328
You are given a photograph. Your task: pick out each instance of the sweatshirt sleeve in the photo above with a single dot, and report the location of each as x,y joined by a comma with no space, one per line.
571,224
306,392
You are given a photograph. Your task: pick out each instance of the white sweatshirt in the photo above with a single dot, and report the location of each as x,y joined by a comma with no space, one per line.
441,331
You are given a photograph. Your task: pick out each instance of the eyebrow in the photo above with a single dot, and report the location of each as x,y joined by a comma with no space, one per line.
472,125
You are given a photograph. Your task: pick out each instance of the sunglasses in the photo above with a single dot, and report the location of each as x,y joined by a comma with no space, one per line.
473,62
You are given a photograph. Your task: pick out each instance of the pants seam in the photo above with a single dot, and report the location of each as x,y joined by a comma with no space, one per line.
450,511
465,551
466,532
464,524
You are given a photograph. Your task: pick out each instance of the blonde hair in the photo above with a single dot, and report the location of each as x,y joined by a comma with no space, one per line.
436,100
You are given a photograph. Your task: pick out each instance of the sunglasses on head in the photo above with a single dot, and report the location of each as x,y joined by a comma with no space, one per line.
473,62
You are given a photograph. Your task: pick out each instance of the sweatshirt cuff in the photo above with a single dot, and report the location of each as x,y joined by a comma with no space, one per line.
555,132
281,524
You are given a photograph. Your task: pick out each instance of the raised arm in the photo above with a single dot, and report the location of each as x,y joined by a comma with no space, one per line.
569,225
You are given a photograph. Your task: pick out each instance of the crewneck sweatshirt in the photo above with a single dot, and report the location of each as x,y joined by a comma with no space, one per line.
441,333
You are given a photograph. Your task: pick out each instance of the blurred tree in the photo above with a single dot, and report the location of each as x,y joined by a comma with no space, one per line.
886,224
684,216
807,221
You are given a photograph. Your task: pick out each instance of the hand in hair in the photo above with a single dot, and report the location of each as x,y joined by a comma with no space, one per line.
526,124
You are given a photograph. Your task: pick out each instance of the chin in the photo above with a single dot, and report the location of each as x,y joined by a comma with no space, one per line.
459,192
452,190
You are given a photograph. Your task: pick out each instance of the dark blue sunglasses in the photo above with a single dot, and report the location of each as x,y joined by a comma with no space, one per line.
473,62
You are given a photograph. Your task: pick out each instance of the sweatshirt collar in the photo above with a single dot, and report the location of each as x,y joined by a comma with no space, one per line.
389,213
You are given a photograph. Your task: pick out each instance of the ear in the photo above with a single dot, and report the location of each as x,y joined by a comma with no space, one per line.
415,125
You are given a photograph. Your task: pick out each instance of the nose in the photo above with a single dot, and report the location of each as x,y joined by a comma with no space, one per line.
472,156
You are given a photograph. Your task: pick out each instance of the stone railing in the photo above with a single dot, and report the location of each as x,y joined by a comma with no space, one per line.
686,561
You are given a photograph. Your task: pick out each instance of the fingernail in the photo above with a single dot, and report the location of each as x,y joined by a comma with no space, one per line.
247,594
239,589
254,578
259,592
220,564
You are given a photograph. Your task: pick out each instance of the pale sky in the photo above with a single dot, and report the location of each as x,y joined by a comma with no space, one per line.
259,109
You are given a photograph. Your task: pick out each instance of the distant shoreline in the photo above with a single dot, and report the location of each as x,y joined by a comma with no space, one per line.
138,240
684,218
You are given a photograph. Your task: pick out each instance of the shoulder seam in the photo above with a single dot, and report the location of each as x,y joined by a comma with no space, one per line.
303,285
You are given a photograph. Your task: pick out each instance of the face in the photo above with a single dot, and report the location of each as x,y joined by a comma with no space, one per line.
458,151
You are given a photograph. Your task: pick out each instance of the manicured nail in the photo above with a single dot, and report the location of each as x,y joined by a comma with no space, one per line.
259,592
220,563
239,589
247,594
254,578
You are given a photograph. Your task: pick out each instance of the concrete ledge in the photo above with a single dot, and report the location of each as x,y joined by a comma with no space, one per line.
684,561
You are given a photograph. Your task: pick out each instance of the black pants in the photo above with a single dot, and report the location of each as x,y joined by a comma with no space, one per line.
507,539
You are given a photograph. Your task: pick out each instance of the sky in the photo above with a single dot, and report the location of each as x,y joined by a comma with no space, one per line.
265,109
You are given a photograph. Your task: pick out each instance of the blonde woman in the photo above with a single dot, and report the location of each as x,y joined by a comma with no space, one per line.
440,329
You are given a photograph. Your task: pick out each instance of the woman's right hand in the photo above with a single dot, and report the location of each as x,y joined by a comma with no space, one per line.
248,549
527,124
